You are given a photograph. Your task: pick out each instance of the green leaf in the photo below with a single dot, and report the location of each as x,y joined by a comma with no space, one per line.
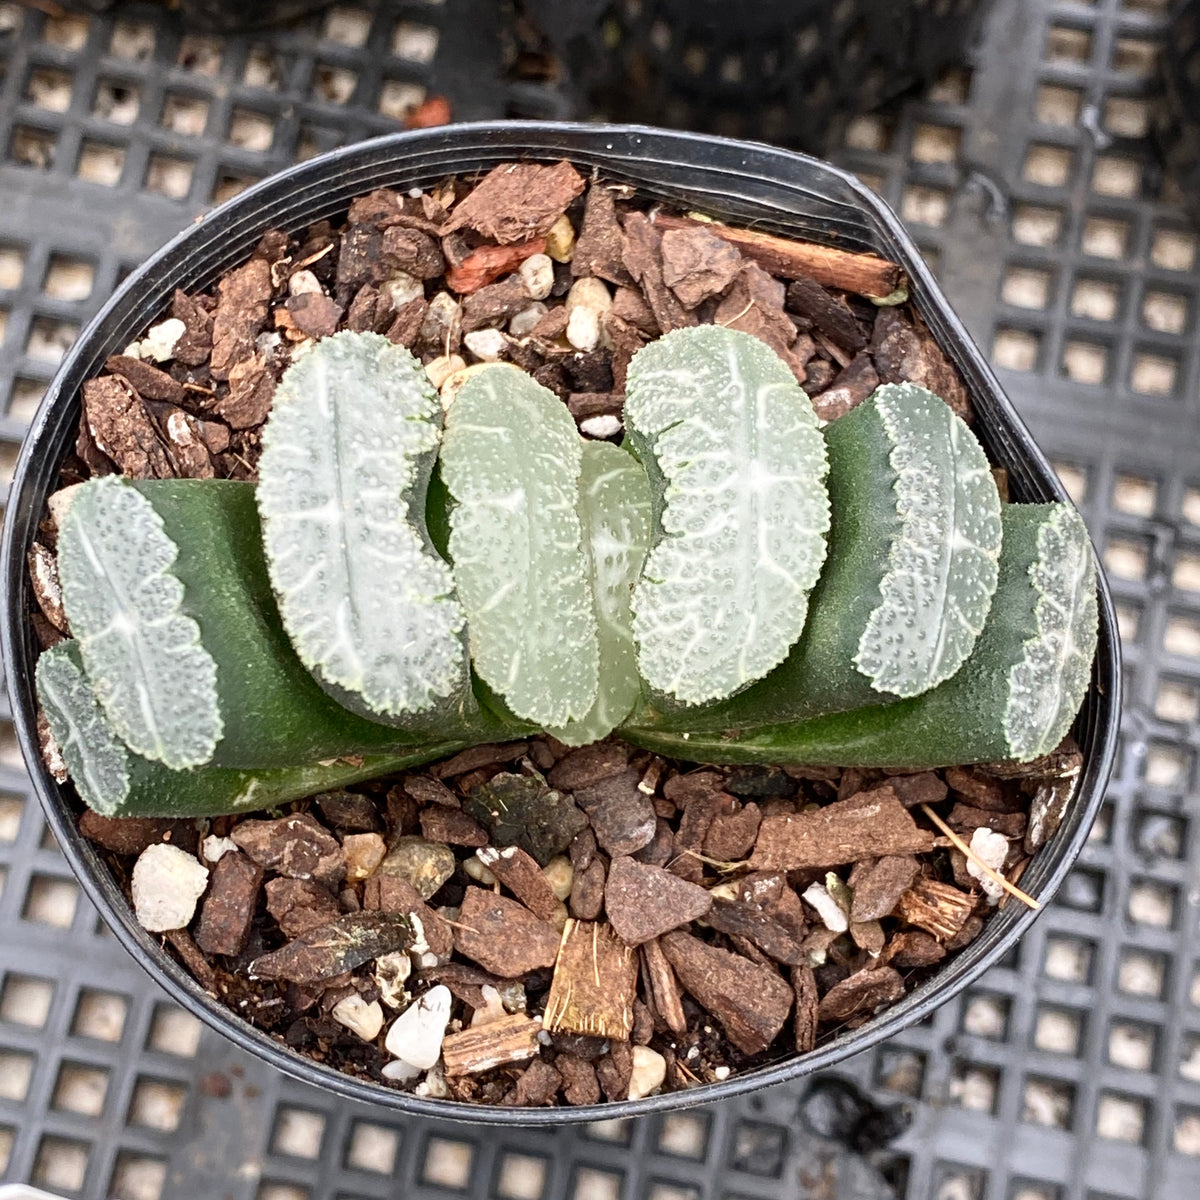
347,454
731,443
615,506
511,459
1014,698
155,681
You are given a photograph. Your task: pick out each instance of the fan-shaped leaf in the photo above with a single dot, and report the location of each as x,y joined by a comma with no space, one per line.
511,459
615,506
155,681
732,443
366,601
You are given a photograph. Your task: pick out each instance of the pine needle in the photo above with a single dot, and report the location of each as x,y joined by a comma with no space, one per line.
993,875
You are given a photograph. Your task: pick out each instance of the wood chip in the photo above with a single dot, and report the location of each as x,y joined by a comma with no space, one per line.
123,430
299,905
589,765
510,1039
750,1001
913,948
43,577
251,391
131,835
452,826
868,825
739,919
641,252
621,815
848,390
148,381
228,908
595,983
414,252
242,297
731,835
502,936
486,264
343,944
864,991
520,873
698,265
878,885
580,1085
598,247
538,1086
906,352
915,790
194,347
587,891
662,988
315,313
643,902
829,313
517,201
935,907
297,846
754,305
390,893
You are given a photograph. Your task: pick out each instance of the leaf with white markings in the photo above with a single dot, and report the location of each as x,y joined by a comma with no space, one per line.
511,459
615,505
731,441
151,674
364,597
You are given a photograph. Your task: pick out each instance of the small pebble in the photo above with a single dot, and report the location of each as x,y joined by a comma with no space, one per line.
828,909
583,329
488,345
400,1072
364,852
492,1009
303,283
359,1017
560,875
589,292
433,1086
416,1034
560,241
166,884
992,848
426,865
524,323
603,426
441,368
215,848
649,1071
401,288
478,872
161,339
537,274
391,974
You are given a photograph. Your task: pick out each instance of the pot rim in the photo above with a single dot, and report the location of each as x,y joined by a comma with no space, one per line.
538,140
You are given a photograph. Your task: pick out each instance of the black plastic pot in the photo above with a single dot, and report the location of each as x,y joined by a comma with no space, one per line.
774,189
224,16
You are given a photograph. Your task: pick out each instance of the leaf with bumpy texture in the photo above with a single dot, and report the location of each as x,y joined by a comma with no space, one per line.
731,443
154,679
347,454
941,571
511,459
615,506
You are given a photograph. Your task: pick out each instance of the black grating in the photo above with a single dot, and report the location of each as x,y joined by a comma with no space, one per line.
1070,1072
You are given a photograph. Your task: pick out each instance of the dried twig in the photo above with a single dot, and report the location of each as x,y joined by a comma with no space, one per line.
993,875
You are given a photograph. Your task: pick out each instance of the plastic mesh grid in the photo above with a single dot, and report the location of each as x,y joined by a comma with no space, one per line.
1072,1071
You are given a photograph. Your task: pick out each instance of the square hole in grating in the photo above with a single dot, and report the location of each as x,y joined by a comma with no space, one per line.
869,132
1173,249
268,1190
184,115
1048,1102
447,1163
264,69
1016,349
520,1177
229,184
974,1087
1151,904
16,1071
372,1148
415,43
61,1164
1085,362
1126,559
952,86
1058,1030
590,1183
1177,701
954,1182
251,130
298,1133
31,147
1129,621
1115,175
169,176
11,808
1127,116
100,163
398,97
347,26
1074,478
314,139
12,266
26,1000
899,1069
1132,1045
49,89
1153,374
1058,105
1100,833
935,143
684,1135
1185,1134
200,55
51,901
1047,166
1068,958
1135,56
616,1132
1121,1118
69,278
138,1176
670,1191
1182,635
1083,890
1095,299
116,101
49,340
1026,287
758,1149
132,40
1024,1189
1186,574
100,1015
1135,495
1165,312
1189,1060
1168,766
1034,225
174,1031
985,1014
1159,835
69,32
1066,45
1141,973
1104,237
334,85
81,1089
157,1104
924,205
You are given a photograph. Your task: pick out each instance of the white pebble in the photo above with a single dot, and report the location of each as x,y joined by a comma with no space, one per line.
400,1072
133,350
721,1072
491,1010
416,1034
537,274
359,1017
166,884
159,343
828,909
589,292
649,1071
603,426
992,848
583,329
560,875
401,288
391,974
433,1085
441,368
215,848
526,321
478,872
303,283
488,345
